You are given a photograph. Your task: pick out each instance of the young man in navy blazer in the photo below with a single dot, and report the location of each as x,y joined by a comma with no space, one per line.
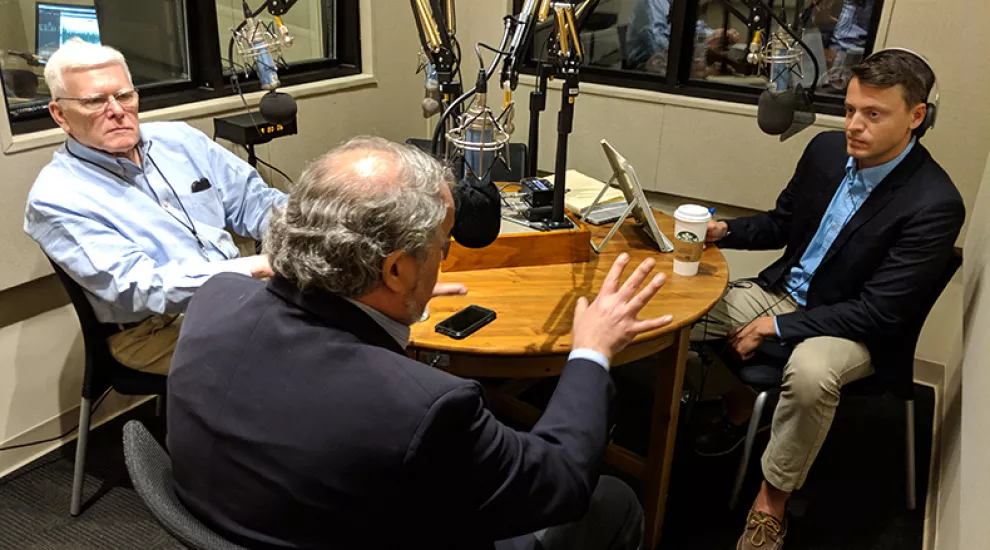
297,421
868,224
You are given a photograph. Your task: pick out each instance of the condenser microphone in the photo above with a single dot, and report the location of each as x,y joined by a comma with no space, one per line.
477,213
431,101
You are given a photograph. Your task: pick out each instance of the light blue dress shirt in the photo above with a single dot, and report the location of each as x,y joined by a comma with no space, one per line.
849,197
125,232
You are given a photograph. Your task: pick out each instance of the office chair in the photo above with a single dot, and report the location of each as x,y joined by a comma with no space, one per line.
102,372
151,474
765,374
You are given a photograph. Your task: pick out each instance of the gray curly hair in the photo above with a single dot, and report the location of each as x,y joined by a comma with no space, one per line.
344,217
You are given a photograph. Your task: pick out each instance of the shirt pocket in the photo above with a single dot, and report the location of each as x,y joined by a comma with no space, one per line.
205,207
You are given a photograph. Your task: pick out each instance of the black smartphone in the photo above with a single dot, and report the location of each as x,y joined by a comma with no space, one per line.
465,322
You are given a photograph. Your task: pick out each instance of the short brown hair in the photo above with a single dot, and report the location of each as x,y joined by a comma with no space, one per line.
888,68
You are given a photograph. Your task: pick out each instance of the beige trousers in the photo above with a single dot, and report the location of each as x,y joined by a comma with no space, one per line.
147,347
813,377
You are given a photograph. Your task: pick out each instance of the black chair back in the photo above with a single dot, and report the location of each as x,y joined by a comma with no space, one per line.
151,474
102,370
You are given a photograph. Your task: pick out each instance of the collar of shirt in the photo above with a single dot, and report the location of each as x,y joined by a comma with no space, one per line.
868,179
119,166
395,329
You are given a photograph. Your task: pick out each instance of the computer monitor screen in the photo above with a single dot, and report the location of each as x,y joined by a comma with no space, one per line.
58,23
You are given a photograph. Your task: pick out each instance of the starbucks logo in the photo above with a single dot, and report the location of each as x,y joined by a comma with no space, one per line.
688,236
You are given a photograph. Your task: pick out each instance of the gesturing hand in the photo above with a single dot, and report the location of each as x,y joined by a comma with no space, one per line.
609,323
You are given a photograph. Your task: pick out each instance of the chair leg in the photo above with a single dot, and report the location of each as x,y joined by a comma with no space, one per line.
159,406
754,425
79,473
912,489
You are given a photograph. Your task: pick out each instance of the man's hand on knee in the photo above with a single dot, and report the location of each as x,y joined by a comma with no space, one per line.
747,338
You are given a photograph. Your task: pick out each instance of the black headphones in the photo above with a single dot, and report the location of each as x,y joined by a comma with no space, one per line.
931,104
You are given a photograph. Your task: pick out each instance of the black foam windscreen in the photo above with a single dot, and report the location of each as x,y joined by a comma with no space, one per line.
775,111
278,108
477,213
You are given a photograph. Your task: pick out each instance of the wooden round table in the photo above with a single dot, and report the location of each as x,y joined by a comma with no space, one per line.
531,338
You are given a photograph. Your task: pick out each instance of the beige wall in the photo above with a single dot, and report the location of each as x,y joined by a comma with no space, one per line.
40,347
966,445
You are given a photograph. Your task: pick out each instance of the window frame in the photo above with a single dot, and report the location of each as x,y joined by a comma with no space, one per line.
206,78
677,81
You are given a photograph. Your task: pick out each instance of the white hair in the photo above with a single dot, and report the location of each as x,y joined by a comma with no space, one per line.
77,54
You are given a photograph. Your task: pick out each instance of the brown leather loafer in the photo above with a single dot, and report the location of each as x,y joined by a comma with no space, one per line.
763,531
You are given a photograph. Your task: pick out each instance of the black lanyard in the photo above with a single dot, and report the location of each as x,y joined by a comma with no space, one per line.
190,226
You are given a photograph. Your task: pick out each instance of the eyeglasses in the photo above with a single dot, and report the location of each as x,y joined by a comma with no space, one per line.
127,99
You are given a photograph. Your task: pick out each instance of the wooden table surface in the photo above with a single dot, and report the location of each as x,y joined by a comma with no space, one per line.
535,305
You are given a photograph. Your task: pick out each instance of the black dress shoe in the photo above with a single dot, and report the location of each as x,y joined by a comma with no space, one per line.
721,437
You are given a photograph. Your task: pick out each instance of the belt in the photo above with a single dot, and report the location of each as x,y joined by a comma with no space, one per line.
128,326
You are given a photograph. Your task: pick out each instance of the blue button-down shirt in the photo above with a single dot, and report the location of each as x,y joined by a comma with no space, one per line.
124,231
849,197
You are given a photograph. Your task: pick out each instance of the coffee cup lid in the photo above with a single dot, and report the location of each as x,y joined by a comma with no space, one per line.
692,213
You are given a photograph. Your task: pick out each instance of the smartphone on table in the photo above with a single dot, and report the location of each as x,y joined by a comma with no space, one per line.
465,322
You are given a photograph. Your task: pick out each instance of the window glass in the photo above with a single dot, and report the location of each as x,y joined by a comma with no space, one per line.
151,34
310,23
836,31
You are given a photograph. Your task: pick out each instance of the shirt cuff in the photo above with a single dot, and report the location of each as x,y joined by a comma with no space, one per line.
590,355
776,327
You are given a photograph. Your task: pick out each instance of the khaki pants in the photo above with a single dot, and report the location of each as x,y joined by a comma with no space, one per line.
815,372
148,346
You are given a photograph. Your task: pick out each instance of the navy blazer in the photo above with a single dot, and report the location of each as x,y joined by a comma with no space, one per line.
296,421
880,275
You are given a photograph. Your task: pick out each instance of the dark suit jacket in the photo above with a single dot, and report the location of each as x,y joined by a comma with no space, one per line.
295,421
878,277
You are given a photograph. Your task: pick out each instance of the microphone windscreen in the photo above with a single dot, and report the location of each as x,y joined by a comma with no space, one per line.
277,108
430,107
775,112
477,213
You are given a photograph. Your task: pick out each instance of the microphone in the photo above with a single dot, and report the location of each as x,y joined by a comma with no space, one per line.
257,43
278,108
480,135
784,108
259,46
431,103
477,213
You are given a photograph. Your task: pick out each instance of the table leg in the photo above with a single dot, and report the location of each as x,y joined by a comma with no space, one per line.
663,433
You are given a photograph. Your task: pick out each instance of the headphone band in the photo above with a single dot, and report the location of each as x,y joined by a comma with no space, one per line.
935,90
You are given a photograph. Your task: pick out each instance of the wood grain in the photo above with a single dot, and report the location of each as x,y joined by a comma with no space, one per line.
522,249
535,304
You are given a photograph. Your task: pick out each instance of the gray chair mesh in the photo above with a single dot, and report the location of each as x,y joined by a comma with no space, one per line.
151,473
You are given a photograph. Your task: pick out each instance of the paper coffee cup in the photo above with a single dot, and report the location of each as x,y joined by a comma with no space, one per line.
690,227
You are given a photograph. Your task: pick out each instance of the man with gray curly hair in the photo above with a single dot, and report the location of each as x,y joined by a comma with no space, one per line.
297,421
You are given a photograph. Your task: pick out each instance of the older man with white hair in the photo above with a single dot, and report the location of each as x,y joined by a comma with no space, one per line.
136,213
